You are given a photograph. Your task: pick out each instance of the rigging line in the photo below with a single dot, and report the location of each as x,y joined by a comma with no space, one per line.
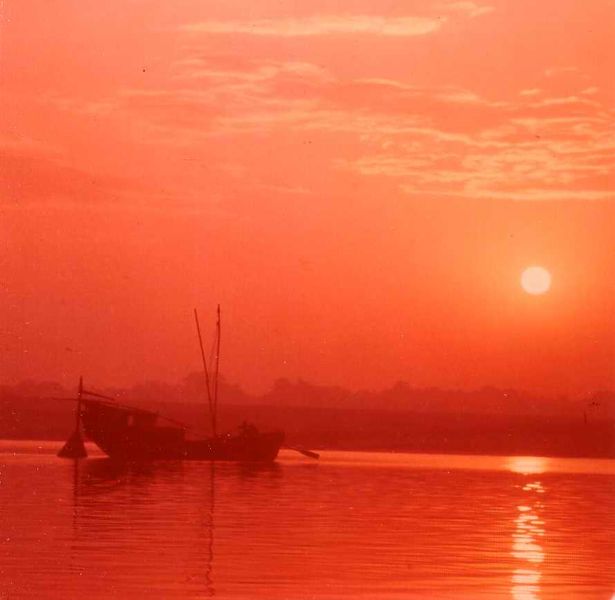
207,385
127,407
218,334
113,402
210,360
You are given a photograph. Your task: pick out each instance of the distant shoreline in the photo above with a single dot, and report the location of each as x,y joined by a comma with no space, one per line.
368,430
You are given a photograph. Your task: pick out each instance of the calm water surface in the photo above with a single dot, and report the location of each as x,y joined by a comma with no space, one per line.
364,525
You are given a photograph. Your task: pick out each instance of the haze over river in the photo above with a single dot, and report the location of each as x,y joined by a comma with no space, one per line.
352,525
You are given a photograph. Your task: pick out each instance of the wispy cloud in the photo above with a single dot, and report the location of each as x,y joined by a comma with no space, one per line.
531,195
530,92
555,71
23,146
434,140
322,25
469,8
249,71
523,157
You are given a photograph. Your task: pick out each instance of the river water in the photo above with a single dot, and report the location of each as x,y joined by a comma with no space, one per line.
352,525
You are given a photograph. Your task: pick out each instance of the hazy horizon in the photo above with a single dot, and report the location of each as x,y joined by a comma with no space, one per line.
300,392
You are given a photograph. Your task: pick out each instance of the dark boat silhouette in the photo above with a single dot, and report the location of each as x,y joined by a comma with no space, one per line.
128,433
131,434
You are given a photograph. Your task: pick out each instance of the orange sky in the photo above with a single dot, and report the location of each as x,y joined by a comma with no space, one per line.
360,188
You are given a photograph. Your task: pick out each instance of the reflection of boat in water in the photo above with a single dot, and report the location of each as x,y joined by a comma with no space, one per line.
128,433
109,494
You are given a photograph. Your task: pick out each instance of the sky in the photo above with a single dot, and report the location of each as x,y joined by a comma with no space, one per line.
359,184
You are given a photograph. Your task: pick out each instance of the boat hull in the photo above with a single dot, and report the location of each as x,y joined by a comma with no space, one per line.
130,447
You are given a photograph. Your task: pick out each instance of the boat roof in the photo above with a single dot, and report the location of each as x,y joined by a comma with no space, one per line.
109,402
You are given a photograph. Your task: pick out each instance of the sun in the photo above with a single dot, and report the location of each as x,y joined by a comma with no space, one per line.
536,280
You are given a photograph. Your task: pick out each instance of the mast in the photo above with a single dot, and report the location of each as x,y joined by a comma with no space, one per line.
215,399
206,371
78,411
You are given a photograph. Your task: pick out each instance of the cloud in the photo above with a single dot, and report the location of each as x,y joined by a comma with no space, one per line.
322,25
530,92
538,195
469,8
524,158
387,83
424,139
570,100
552,71
251,71
462,96
23,146
28,179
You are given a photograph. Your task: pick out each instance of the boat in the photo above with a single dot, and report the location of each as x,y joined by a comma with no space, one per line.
132,434
129,433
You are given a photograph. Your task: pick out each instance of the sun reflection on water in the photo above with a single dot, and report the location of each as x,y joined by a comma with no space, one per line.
529,528
527,465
